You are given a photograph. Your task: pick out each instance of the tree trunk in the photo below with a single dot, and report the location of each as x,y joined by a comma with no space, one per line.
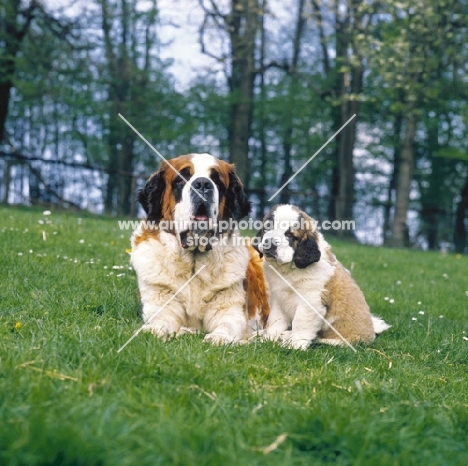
403,184
5,88
288,133
262,132
346,171
7,181
13,32
430,199
335,175
348,86
34,186
460,233
335,111
111,197
340,88
121,72
243,25
397,124
125,180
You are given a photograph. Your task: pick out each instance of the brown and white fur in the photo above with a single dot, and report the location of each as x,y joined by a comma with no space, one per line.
323,288
195,192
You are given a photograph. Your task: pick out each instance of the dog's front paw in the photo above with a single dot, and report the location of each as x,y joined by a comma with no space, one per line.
188,330
219,338
296,342
160,328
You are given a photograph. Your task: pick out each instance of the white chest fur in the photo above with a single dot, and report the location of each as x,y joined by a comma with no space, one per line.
164,270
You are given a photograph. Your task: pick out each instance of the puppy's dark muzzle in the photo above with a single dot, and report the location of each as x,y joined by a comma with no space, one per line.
270,250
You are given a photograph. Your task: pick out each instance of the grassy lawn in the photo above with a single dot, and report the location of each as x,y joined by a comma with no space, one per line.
68,301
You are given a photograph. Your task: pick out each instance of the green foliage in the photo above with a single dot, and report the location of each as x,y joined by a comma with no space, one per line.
70,84
67,397
67,94
454,153
208,106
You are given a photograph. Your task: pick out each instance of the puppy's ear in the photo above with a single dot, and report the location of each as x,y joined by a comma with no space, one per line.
256,240
237,205
307,251
151,196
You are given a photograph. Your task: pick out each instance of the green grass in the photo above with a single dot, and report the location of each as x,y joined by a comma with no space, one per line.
68,398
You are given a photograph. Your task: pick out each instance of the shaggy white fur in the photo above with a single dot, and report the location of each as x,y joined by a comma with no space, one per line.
213,300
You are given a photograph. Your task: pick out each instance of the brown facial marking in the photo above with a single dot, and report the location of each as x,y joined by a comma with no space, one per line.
224,169
304,243
179,163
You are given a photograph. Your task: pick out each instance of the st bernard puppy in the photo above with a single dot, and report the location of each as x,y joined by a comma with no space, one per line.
309,285
194,270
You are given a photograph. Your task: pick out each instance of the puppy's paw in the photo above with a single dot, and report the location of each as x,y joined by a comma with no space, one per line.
273,335
256,333
219,338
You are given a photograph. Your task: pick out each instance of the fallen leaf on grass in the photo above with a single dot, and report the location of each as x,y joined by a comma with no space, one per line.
211,396
94,385
365,382
273,446
259,406
390,363
27,363
341,387
53,374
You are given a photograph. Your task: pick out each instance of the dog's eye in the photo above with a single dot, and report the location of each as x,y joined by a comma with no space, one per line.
179,181
288,234
181,178
215,178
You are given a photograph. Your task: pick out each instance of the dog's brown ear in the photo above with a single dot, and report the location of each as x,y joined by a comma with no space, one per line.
256,240
151,196
237,204
307,251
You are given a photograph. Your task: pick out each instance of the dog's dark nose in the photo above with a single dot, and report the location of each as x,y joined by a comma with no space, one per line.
204,185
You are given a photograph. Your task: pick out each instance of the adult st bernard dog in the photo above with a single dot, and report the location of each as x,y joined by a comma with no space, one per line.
193,273
323,288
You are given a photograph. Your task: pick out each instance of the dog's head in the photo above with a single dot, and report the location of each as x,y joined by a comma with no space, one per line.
191,193
288,235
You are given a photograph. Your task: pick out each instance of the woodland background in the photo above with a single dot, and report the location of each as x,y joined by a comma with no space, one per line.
278,81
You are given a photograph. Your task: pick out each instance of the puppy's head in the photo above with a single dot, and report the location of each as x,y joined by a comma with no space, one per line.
288,235
191,193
